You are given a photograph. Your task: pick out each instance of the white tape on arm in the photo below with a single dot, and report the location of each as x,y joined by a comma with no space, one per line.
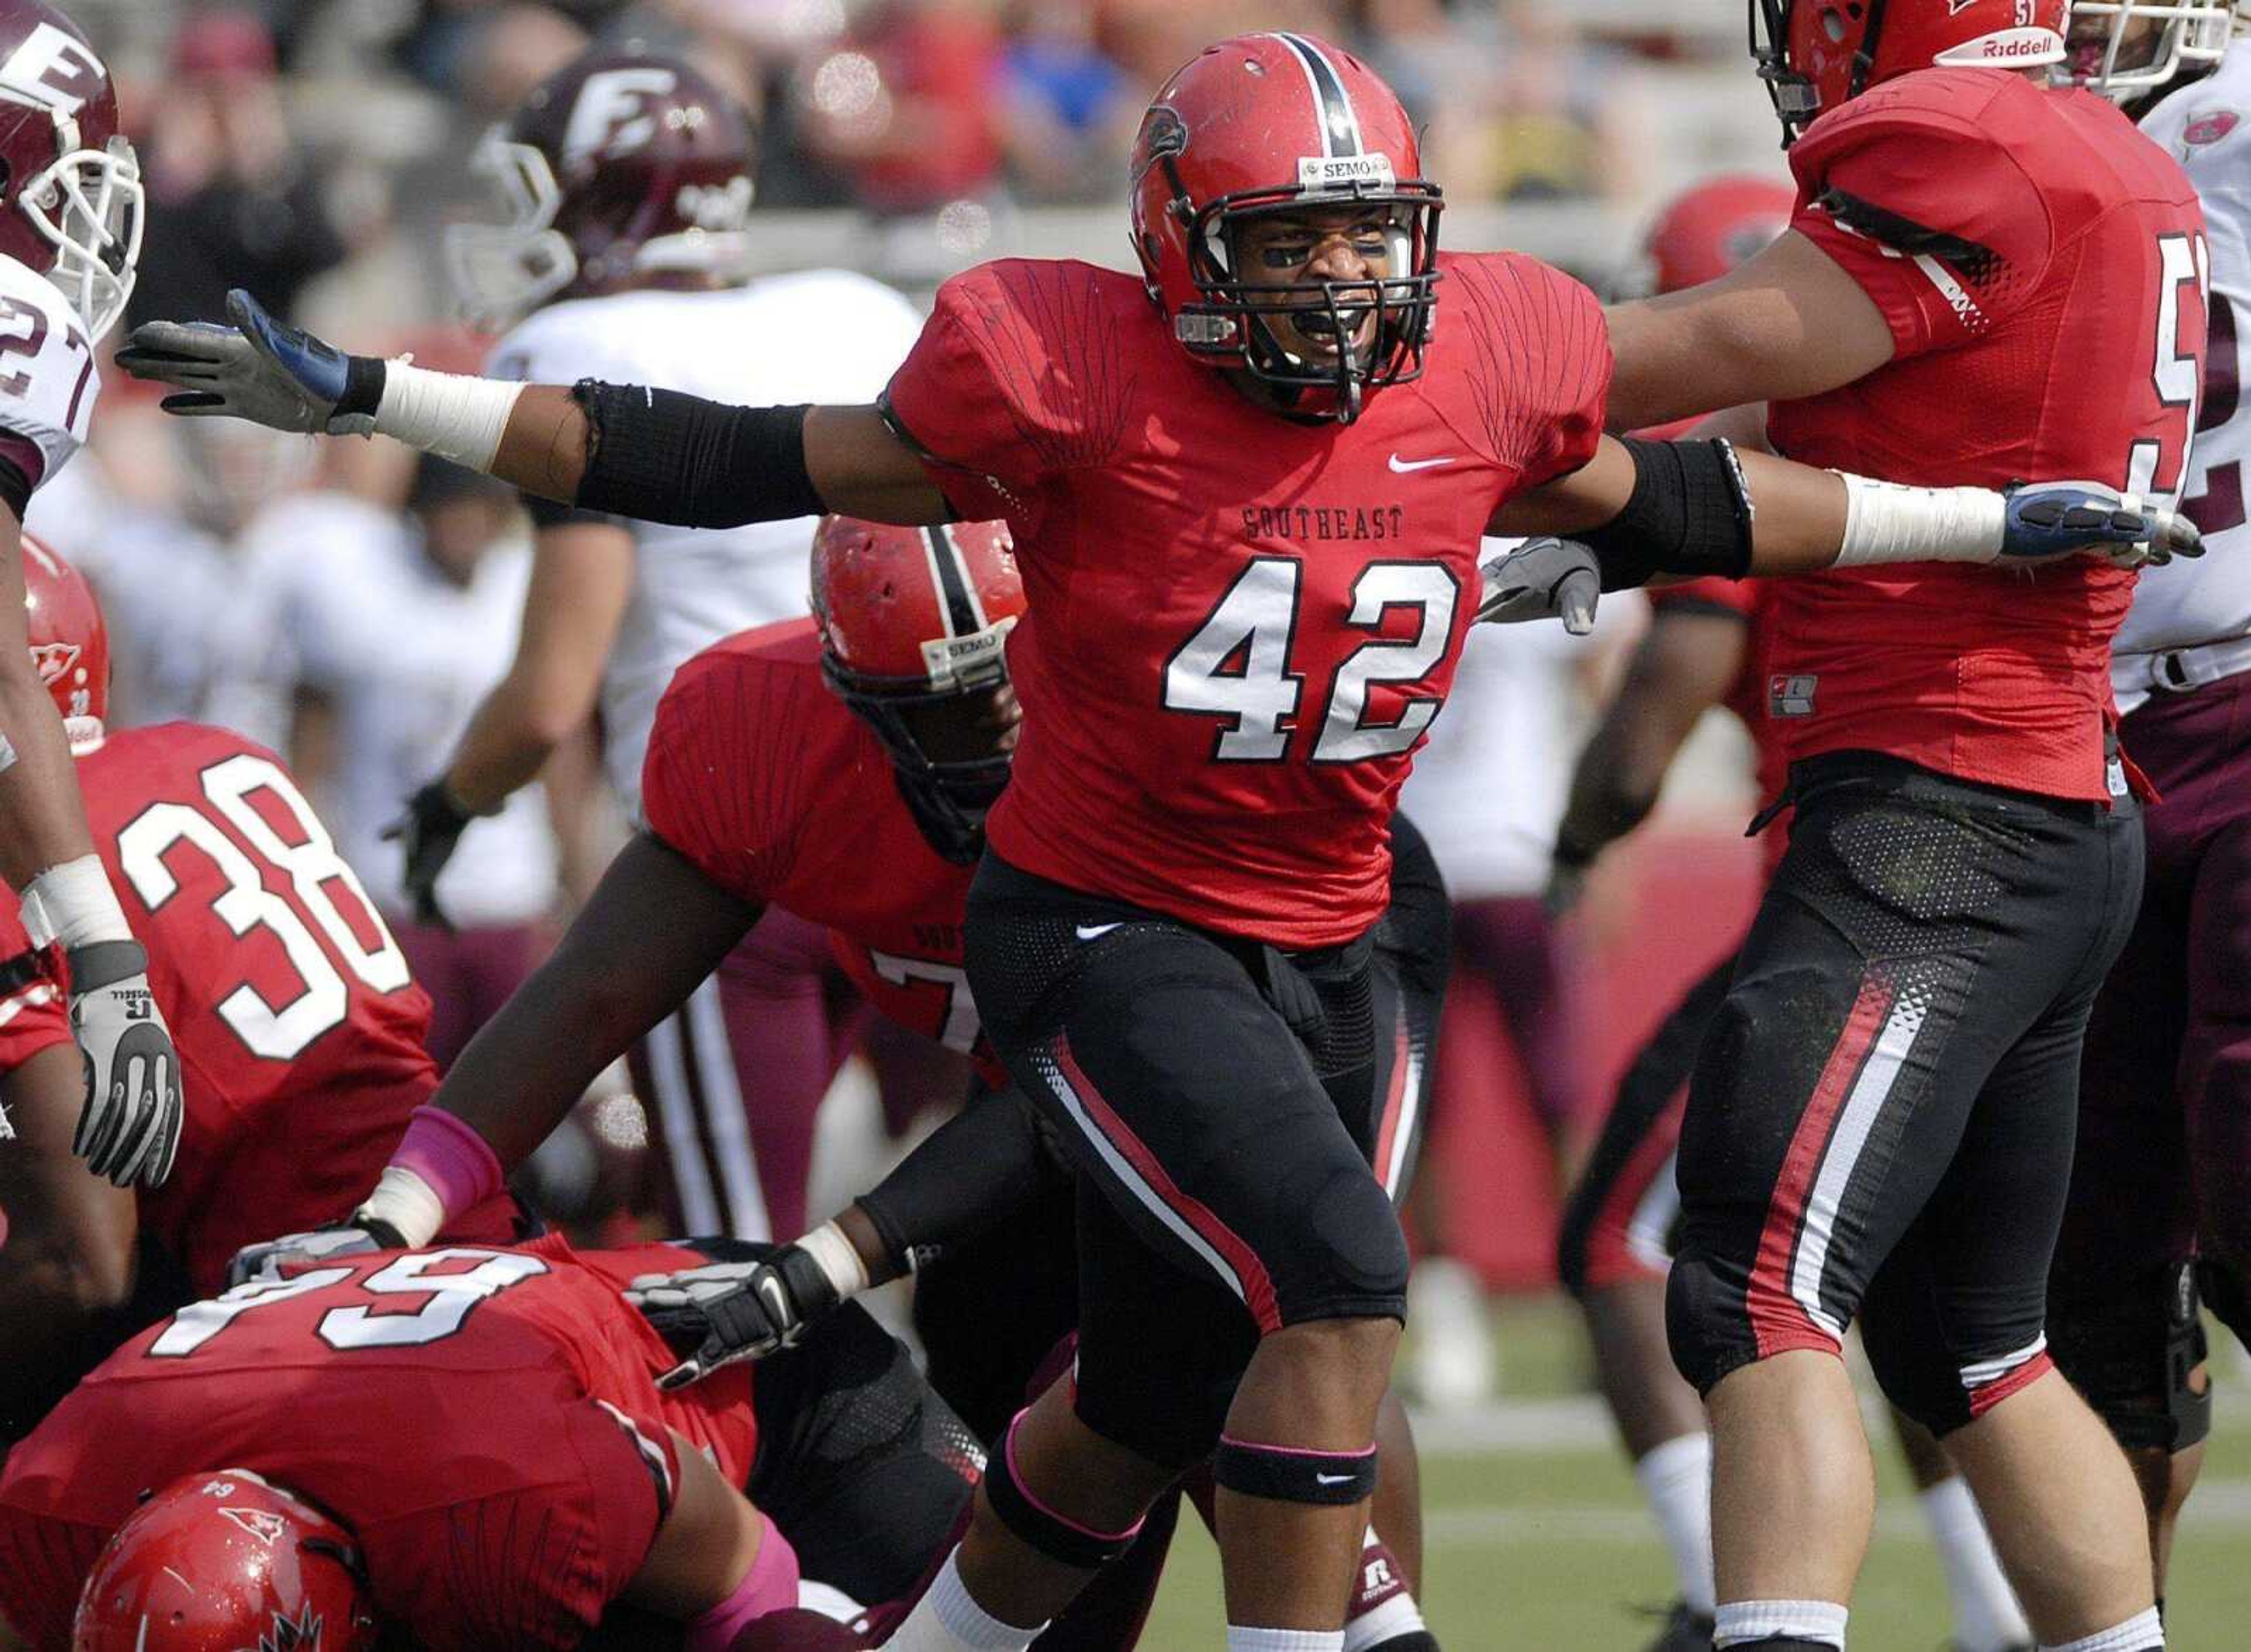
408,1203
456,418
838,1258
74,904
1887,522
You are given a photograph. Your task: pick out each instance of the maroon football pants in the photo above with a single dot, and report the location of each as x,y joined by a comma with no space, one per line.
2164,1168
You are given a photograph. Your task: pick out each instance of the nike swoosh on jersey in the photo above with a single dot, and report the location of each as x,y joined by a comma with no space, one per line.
1401,467
1095,931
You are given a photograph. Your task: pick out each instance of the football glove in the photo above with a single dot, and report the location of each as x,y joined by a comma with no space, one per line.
429,832
259,370
361,1236
2050,519
732,1311
129,1128
1542,579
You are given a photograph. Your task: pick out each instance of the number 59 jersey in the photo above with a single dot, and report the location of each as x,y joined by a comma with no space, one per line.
299,1027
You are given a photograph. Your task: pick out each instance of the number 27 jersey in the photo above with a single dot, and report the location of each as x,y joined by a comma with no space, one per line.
1241,624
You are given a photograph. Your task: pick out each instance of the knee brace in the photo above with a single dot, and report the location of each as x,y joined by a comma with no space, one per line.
1065,1541
1289,1474
2132,1352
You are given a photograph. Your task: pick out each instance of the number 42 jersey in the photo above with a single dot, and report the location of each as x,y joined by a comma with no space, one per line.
1241,624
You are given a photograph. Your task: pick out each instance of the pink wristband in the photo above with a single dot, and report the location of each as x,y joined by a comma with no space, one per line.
769,1586
446,1151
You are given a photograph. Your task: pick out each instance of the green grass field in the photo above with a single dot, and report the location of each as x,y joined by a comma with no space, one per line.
1538,1540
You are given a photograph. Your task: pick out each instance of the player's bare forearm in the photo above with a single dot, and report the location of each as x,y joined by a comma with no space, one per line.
42,819
1787,324
545,445
1801,514
581,582
655,928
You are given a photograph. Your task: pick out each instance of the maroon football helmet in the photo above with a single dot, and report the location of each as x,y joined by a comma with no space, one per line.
227,1562
621,166
920,617
71,186
1281,124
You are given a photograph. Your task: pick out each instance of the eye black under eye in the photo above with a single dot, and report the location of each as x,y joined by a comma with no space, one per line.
1285,257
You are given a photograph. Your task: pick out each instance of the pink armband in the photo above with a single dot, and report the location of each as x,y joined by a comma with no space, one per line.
446,1152
769,1586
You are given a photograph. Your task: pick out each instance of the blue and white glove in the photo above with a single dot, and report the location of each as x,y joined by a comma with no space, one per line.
258,370
2049,519
1542,579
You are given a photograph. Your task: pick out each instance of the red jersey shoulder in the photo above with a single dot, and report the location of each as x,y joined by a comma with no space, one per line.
1027,367
745,738
34,1012
1531,346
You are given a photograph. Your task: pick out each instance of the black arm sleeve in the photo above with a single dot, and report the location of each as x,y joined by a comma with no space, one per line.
1689,513
974,1168
660,456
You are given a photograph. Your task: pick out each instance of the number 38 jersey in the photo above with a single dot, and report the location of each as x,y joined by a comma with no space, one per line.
486,1423
48,384
1241,625
2042,267
299,1027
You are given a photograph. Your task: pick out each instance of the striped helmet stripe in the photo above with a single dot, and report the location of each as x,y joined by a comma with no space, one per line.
1340,122
955,588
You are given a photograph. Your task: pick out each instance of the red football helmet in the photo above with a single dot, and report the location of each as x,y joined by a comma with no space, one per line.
919,617
1278,124
73,185
1816,54
225,1562
623,165
1706,232
70,644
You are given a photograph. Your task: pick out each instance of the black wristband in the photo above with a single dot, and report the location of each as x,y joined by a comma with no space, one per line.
363,381
104,963
1689,513
657,455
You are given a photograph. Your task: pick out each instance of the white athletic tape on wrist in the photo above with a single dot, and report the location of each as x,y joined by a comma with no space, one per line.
1886,522
456,418
408,1203
73,903
839,1259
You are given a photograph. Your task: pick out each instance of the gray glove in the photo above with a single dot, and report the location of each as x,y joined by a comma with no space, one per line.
129,1128
361,1236
1542,579
257,369
731,1311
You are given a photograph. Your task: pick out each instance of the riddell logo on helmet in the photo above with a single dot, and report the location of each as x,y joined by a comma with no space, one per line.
2019,48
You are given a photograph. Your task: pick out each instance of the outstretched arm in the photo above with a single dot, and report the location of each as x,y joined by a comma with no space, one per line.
629,451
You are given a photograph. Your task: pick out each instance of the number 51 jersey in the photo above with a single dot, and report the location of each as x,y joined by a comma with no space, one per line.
1241,624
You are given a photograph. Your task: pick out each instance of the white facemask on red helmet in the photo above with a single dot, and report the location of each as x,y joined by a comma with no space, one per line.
2124,49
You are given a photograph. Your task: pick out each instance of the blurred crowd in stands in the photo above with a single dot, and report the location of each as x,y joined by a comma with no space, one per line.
349,607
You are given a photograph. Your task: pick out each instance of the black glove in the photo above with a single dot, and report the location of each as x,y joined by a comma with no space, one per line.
431,829
727,1311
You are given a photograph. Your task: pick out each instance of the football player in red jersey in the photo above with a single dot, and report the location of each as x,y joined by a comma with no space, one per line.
535,1476
1985,277
298,1026
1248,486
70,233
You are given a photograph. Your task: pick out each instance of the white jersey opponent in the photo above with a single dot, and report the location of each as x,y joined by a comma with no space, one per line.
48,384
2206,125
822,335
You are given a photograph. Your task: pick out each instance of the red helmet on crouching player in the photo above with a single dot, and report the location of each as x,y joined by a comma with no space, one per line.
1270,124
1816,54
1712,228
225,1562
914,624
620,165
73,210
70,644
